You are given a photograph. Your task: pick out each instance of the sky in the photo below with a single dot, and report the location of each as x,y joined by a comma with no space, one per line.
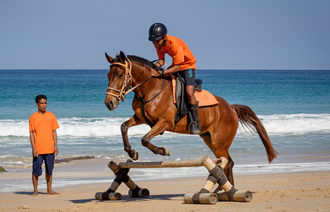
222,34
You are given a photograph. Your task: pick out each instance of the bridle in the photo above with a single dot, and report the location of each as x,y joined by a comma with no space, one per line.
128,79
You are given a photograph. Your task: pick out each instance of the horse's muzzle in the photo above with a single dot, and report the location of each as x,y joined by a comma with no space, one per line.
111,105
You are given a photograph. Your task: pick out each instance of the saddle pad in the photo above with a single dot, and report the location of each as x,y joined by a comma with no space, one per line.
204,97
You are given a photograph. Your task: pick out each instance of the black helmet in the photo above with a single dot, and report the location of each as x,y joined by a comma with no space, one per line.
157,31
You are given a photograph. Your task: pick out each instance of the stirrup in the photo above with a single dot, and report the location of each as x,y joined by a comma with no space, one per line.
194,128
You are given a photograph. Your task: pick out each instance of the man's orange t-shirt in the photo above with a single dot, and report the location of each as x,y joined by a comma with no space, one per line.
43,126
179,52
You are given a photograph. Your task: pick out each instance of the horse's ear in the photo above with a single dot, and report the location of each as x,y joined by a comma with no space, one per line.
110,59
122,57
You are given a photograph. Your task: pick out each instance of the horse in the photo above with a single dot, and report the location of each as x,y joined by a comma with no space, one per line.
153,105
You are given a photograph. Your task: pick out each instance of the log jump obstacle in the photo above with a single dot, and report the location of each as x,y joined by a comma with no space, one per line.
215,167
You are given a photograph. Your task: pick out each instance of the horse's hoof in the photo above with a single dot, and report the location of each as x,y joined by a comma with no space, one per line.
135,155
166,152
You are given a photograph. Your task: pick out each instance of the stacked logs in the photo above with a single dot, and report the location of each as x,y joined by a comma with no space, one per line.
204,196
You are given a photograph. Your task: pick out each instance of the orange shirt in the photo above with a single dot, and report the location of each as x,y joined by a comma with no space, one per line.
43,126
179,52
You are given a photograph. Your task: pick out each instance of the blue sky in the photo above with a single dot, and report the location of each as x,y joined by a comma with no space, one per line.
222,34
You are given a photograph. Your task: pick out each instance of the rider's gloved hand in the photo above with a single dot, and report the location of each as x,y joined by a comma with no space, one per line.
161,72
157,71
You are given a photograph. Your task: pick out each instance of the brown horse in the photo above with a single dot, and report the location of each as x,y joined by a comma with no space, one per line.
153,105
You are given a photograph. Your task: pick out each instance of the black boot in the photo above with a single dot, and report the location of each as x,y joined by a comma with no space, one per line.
194,125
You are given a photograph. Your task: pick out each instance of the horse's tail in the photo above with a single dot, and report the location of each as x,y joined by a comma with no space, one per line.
249,120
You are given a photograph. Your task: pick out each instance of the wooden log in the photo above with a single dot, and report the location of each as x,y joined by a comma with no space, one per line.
239,196
108,196
208,163
114,186
139,193
136,191
162,164
200,198
218,173
215,168
114,167
211,180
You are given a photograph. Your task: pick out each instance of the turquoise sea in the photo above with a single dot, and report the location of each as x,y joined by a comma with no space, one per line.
294,106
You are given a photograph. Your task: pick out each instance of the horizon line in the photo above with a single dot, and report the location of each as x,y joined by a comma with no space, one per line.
212,69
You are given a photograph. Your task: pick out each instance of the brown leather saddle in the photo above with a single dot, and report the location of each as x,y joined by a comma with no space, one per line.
181,98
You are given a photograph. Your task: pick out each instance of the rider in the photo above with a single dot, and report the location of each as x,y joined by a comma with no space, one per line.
183,63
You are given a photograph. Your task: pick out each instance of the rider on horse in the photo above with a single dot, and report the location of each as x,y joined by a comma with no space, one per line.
183,63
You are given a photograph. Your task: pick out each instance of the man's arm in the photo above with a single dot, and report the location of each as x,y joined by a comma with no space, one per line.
55,142
173,69
160,63
32,140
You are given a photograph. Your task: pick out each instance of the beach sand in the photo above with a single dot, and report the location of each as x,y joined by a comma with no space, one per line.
305,191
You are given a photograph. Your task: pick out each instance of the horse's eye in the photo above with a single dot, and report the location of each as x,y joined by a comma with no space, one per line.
120,75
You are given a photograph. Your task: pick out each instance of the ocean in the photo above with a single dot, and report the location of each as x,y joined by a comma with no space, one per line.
293,105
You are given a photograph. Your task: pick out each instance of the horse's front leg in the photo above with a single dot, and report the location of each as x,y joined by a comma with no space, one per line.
159,128
133,121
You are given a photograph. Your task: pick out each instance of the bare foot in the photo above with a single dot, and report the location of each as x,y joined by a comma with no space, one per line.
35,193
52,192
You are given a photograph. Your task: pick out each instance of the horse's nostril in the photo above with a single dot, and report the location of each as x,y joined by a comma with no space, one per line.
110,105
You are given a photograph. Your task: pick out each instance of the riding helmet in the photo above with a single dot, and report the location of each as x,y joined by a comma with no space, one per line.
157,31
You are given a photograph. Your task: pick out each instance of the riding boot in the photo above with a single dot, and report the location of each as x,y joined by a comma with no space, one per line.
194,125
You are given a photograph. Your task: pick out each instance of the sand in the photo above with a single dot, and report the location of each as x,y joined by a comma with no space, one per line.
306,191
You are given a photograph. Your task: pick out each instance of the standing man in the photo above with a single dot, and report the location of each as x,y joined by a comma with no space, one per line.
43,138
183,63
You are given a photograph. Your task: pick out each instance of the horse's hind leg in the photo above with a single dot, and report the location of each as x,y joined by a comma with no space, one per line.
229,170
220,147
133,121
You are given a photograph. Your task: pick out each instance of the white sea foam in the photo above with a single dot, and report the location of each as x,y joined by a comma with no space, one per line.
296,123
76,127
108,126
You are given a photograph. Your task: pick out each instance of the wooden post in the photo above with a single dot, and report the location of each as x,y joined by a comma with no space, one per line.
239,196
212,180
204,196
122,176
163,164
108,196
200,198
231,193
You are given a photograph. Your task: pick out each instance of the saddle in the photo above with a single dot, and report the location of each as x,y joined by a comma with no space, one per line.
179,92
205,98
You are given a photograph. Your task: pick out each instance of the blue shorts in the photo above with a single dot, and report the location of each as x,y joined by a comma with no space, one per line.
189,76
49,164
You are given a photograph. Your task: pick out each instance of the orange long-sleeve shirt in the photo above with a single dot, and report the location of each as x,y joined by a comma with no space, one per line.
179,52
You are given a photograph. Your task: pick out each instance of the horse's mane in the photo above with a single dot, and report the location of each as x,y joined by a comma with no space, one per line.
142,61
120,58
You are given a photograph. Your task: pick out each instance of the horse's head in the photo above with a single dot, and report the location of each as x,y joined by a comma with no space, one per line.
120,79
